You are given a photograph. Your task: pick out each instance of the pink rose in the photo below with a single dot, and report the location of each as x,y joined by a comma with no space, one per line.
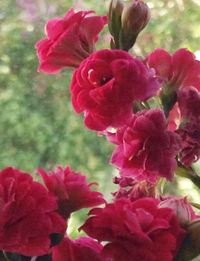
82,249
71,190
105,86
69,40
28,215
178,70
181,208
138,230
145,148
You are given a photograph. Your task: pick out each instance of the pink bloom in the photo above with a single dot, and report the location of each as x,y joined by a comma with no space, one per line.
138,230
28,215
181,208
105,86
145,149
82,249
69,40
189,103
190,144
178,70
71,190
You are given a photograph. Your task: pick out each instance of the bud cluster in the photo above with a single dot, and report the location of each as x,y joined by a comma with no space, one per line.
126,21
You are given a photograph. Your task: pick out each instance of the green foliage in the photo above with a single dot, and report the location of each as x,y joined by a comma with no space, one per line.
38,125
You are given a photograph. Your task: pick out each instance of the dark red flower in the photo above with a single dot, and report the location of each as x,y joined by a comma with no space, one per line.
189,130
190,144
69,40
105,86
138,230
189,104
145,149
71,190
178,70
27,214
82,249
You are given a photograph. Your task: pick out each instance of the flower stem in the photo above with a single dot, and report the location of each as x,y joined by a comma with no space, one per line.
188,173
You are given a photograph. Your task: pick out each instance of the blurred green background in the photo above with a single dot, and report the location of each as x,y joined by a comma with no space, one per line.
38,127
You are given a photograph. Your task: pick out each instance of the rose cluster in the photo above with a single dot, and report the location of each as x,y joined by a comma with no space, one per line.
149,108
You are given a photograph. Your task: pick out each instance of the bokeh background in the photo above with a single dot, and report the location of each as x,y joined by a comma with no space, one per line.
38,127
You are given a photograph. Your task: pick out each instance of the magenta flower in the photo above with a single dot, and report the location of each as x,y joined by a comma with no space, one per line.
28,215
105,86
138,230
178,70
145,149
82,249
71,190
69,40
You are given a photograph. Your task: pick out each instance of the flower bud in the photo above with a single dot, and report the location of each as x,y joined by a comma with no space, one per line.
181,207
115,12
135,17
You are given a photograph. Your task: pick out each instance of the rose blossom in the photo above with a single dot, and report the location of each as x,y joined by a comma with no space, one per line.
105,86
145,148
138,230
71,190
81,249
181,207
28,215
178,70
69,40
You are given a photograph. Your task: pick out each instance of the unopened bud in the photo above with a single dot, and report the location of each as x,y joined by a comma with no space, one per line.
135,17
181,208
114,24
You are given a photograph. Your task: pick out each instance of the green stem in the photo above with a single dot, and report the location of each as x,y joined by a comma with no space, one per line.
168,99
146,104
188,173
138,106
